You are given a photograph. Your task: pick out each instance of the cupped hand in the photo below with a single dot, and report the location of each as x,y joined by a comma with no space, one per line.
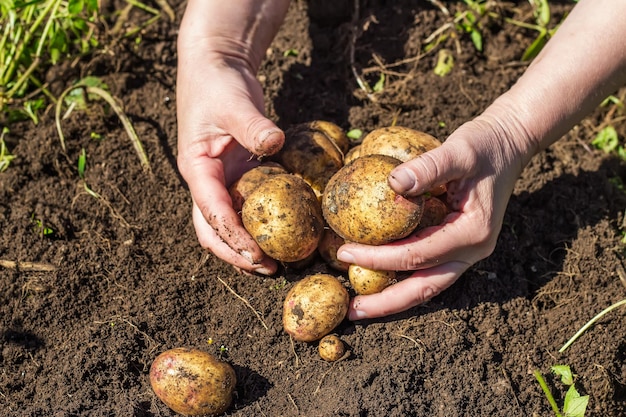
479,164
221,133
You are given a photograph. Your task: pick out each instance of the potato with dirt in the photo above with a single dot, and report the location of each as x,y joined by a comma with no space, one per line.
250,181
331,348
193,382
400,142
314,152
367,281
314,306
328,247
283,215
360,206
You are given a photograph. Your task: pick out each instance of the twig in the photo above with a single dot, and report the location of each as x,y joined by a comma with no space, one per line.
27,266
355,34
345,355
590,323
622,274
293,402
293,350
256,313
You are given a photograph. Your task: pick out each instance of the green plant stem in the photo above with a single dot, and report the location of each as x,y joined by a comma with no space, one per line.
547,392
590,323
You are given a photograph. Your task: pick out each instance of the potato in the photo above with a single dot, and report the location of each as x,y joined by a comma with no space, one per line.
328,247
333,132
360,206
435,212
331,348
310,154
249,181
284,217
369,281
402,143
193,382
314,306
352,154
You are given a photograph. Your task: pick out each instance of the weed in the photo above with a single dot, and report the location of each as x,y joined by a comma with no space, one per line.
574,405
354,134
5,155
40,228
279,285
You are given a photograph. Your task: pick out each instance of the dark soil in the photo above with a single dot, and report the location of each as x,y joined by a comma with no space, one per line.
128,279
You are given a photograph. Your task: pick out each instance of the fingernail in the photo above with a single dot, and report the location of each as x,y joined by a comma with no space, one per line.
345,256
357,315
263,271
403,180
270,141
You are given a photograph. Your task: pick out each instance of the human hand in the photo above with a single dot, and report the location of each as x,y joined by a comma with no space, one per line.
221,131
479,165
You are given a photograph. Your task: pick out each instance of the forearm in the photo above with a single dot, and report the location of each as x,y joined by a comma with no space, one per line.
241,29
581,65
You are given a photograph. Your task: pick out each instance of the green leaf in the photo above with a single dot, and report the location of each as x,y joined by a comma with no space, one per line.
565,372
380,84
477,40
535,47
354,134
82,162
542,12
574,404
290,52
607,139
445,63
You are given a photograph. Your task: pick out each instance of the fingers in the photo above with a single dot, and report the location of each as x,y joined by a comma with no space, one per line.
421,286
434,168
238,250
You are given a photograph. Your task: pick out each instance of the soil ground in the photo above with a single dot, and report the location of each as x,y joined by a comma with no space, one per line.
128,279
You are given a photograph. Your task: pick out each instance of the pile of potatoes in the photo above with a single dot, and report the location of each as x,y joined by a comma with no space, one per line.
310,198
317,193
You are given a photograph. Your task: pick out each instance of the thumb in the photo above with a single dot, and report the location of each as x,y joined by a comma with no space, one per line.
253,130
430,170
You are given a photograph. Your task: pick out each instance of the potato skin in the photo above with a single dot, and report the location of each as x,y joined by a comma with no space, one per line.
310,154
331,348
402,143
435,212
327,248
361,207
249,181
284,217
193,382
366,281
352,154
314,306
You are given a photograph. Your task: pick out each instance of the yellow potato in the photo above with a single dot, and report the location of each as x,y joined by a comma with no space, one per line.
314,306
334,132
435,212
369,281
328,247
249,181
402,143
310,154
331,348
352,154
360,206
193,382
283,215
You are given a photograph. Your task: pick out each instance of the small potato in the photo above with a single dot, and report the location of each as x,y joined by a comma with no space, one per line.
331,348
284,217
310,154
402,143
369,281
249,181
193,382
435,212
328,247
360,206
314,306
